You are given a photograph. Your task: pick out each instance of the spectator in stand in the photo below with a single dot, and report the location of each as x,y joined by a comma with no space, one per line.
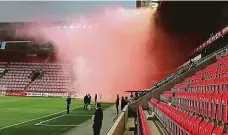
123,103
97,120
136,95
68,100
132,95
89,101
117,104
95,100
85,102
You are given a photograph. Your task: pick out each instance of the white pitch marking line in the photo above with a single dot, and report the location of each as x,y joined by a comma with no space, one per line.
77,115
62,125
36,118
50,119
65,125
40,123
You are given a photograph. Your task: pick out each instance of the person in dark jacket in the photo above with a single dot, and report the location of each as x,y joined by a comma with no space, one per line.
85,102
97,120
126,100
117,104
136,95
68,100
95,98
122,103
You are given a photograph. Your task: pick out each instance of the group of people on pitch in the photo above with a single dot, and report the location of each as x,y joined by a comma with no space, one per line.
98,115
87,101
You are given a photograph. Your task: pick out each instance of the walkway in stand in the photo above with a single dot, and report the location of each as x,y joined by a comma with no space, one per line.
86,129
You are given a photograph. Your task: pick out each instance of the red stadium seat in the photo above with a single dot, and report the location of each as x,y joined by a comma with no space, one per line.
224,107
218,130
202,127
209,128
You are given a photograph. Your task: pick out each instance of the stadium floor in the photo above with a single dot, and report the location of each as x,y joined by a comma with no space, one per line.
41,116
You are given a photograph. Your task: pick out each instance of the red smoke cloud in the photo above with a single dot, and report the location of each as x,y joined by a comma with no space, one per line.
123,50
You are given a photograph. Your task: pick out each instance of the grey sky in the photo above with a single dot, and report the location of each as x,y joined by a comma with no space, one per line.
15,11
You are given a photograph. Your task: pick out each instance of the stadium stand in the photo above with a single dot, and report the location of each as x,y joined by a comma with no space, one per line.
198,104
56,78
23,73
190,101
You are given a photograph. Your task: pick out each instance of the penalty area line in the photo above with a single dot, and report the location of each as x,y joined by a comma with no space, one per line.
36,119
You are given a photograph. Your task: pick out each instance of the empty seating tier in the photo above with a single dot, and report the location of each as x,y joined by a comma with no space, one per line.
56,78
198,105
179,122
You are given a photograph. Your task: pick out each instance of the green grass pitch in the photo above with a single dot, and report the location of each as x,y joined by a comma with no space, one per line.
41,116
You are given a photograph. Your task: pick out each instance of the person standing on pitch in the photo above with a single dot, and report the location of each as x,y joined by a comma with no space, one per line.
95,100
89,101
97,120
85,102
68,100
117,104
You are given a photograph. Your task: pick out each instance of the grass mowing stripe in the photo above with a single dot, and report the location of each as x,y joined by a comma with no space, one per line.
37,118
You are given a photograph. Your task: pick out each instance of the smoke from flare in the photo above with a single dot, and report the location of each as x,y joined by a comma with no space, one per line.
112,56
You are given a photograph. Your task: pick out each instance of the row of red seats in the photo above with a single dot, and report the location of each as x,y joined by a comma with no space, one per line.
51,83
25,66
17,74
26,63
21,72
60,73
57,80
143,128
12,83
167,93
166,96
15,77
47,90
179,122
209,84
181,85
22,69
223,72
48,86
14,80
215,66
57,67
152,104
193,78
208,104
3,63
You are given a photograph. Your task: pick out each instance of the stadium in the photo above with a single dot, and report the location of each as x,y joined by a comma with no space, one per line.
158,69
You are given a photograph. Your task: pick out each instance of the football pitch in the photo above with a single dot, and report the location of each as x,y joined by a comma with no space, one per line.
41,116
